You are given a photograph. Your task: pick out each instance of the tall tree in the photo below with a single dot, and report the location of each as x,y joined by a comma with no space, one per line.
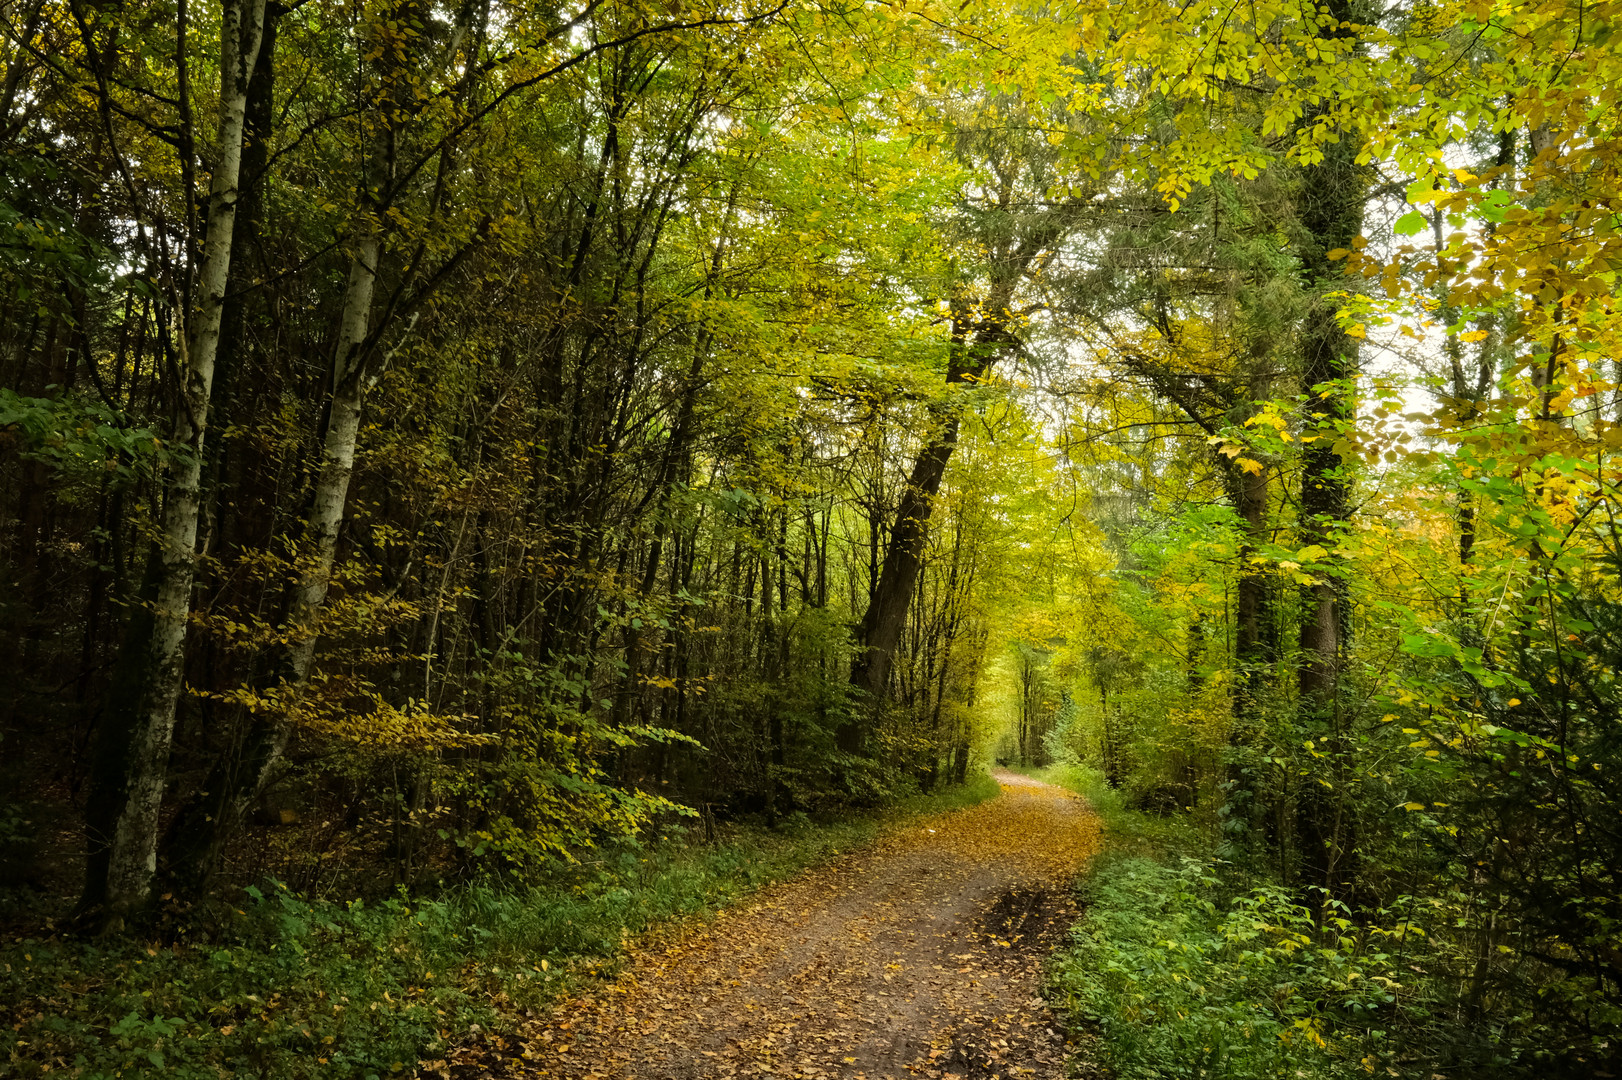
133,750
1333,193
1018,231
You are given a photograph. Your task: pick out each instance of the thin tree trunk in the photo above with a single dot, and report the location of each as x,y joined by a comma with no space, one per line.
898,577
132,756
1254,641
975,345
980,333
200,833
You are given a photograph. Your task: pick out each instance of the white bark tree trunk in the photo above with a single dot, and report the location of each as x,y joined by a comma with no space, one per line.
326,518
239,779
124,835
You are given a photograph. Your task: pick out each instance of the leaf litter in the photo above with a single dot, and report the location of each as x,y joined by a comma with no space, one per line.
920,956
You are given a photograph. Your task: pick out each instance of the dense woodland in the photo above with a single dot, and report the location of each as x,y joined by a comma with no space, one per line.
441,440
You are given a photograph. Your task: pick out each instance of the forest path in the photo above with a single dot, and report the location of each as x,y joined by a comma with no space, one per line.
918,956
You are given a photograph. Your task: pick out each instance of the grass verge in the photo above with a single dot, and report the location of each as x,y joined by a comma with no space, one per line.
1183,965
292,988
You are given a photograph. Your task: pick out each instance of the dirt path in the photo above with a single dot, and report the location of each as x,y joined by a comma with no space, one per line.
919,956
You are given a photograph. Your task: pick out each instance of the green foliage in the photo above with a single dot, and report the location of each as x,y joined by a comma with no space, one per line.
658,338
288,988
82,437
1186,978
40,242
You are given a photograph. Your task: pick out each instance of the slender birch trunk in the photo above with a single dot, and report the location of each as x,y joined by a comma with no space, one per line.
203,828
326,516
132,756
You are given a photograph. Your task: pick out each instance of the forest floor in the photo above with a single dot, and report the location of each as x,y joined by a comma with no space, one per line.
920,955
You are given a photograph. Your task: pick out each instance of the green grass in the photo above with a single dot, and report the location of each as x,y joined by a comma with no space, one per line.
293,988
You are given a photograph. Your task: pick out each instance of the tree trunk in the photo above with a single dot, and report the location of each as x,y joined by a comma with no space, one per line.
132,756
976,342
898,577
199,835
201,832
1255,642
1333,193
1468,395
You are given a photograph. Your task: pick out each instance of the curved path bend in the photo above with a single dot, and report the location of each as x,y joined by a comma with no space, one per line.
919,956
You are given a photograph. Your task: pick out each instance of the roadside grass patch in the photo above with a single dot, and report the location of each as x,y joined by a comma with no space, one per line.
1182,977
1184,966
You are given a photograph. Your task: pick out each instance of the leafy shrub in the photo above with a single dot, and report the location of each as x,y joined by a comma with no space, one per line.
1184,983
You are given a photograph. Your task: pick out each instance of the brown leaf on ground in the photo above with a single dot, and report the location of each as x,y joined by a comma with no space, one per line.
920,956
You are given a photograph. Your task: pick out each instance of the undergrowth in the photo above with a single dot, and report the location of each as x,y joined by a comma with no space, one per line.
1182,977
1185,969
1188,967
287,987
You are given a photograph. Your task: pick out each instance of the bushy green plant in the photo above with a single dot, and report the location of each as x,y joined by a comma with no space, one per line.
1185,981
